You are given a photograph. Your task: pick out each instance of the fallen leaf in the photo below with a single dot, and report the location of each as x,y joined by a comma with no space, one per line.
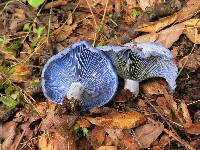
170,35
123,139
186,115
191,8
164,106
195,144
194,129
54,123
142,104
164,141
144,4
56,142
8,134
96,136
64,31
19,13
20,73
124,120
164,37
192,34
191,61
157,25
54,4
153,87
117,6
42,108
191,30
107,148
84,123
197,116
148,133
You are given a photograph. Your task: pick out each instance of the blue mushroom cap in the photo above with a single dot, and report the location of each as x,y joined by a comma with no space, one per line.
140,61
84,64
151,49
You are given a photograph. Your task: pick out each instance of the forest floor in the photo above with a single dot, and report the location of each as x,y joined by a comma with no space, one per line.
156,119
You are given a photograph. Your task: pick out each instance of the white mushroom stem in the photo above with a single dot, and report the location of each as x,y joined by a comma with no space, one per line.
132,86
75,91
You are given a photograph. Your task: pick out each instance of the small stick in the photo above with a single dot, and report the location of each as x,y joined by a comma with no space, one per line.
21,137
171,134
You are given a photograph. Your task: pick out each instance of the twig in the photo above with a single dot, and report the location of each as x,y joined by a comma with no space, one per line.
95,34
21,137
171,134
104,13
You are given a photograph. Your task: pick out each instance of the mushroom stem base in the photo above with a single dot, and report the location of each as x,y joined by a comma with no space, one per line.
132,86
75,91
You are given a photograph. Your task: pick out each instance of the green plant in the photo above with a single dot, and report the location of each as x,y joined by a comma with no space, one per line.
135,13
27,26
13,46
99,29
100,43
77,129
35,3
38,31
2,41
11,97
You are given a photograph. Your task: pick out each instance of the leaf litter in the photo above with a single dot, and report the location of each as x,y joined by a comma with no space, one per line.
156,119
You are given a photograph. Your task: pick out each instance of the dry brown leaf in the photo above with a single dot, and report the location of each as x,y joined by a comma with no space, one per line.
191,30
107,148
20,73
172,104
64,31
157,25
124,120
19,13
197,116
56,142
165,37
164,141
147,3
194,129
144,4
123,139
192,22
9,56
151,37
159,87
191,61
148,133
54,123
84,123
164,106
54,4
153,87
117,6
192,7
42,108
195,144
192,34
170,35
186,115
8,133
97,136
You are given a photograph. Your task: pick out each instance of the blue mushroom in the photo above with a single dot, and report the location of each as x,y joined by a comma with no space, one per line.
136,62
82,72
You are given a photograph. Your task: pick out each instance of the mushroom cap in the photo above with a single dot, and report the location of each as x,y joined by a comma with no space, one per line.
84,64
139,61
143,49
